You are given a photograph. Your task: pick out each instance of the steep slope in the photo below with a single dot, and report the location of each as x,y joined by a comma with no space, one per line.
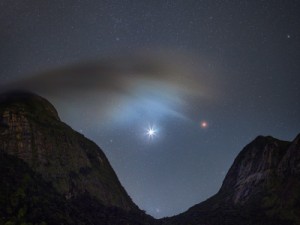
261,187
31,130
27,199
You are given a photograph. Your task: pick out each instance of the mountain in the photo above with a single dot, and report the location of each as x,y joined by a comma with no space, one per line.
76,170
27,199
51,174
261,187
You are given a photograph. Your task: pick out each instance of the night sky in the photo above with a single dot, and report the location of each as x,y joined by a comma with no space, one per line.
206,76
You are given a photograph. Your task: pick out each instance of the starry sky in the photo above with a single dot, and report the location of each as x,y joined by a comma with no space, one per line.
207,76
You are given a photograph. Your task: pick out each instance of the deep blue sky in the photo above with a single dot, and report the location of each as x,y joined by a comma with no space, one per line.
233,64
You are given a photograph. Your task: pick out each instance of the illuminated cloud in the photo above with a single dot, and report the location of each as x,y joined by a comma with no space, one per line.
138,86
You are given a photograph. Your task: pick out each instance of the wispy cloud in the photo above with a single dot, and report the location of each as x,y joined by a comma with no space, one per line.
147,84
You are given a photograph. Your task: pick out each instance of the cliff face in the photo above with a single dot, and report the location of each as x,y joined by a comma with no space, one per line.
31,130
253,169
261,187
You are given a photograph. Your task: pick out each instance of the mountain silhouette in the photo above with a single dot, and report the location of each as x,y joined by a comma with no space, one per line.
76,169
51,174
261,187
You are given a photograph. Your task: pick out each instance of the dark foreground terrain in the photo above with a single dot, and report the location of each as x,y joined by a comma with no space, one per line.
51,174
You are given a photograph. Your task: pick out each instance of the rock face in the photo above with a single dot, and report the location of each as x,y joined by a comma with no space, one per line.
261,187
253,169
31,130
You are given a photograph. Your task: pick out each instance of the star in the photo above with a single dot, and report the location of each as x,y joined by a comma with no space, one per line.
151,132
204,124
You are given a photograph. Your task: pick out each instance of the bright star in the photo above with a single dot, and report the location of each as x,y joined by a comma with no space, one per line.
151,132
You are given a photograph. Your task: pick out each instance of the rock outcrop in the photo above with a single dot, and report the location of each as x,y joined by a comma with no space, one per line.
31,130
261,187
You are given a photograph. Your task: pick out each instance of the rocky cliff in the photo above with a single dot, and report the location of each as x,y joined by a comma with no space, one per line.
31,130
261,187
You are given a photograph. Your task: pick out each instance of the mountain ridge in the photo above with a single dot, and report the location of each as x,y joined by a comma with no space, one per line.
261,187
32,131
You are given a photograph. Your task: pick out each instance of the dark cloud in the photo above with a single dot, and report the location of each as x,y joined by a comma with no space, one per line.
151,80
